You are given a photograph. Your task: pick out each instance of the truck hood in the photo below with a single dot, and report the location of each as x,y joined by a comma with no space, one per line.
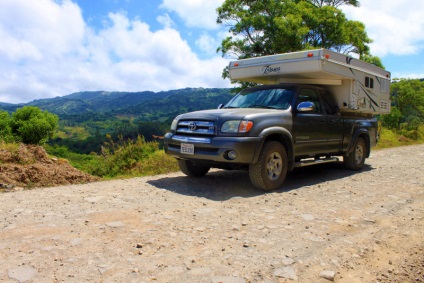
232,114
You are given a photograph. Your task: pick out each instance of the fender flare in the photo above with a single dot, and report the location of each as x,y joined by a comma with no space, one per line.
279,134
363,133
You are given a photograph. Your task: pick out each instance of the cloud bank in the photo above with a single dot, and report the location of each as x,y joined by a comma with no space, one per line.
49,50
396,27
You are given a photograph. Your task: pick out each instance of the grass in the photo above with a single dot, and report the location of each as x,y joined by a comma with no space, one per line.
131,158
390,138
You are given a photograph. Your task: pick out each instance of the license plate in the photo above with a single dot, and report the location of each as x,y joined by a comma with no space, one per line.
187,148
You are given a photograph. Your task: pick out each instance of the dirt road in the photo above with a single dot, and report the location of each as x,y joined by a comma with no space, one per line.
325,224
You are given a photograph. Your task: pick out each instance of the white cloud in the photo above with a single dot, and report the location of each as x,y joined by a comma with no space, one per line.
195,13
395,26
47,50
165,20
207,43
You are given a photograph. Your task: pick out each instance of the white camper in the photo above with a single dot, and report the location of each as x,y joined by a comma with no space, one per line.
357,86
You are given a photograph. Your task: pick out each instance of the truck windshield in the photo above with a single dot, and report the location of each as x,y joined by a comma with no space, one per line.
275,98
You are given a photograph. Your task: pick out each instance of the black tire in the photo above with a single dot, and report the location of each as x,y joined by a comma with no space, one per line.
270,171
356,159
193,169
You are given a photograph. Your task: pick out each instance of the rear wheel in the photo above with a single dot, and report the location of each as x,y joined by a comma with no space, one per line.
356,159
271,169
193,169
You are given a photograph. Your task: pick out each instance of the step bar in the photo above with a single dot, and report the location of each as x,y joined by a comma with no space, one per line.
315,162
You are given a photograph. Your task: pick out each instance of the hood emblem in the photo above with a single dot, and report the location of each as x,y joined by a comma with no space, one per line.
192,126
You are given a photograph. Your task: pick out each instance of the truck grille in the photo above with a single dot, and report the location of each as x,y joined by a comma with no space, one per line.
196,128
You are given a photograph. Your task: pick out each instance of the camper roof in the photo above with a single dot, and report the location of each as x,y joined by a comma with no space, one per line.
320,66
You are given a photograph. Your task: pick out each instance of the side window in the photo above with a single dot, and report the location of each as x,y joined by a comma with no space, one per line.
309,95
329,104
369,82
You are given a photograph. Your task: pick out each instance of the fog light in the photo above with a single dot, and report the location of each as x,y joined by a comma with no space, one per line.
232,154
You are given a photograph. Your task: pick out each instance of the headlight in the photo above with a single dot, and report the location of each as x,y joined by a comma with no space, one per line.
175,123
236,126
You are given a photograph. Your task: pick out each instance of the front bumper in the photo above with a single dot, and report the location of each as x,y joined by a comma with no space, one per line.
215,148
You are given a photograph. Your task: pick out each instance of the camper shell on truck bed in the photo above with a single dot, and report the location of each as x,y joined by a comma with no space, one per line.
356,85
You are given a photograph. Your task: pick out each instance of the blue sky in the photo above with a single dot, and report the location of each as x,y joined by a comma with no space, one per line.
53,48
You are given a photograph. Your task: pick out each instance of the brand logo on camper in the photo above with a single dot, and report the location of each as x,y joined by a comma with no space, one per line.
269,70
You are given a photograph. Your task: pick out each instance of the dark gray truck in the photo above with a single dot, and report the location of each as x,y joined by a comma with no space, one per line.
271,129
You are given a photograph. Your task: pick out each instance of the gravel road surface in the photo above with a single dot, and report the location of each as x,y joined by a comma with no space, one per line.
325,224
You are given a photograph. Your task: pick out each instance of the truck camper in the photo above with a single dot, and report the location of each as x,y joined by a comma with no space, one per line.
311,107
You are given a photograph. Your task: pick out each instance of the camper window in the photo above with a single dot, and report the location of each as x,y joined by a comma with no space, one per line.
369,82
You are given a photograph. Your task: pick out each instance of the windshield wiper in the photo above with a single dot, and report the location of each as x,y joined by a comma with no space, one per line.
230,107
263,106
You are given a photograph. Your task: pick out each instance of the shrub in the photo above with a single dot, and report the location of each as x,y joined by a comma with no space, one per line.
392,120
5,129
33,126
125,158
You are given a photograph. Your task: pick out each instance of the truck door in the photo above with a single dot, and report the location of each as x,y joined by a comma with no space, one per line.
333,122
313,131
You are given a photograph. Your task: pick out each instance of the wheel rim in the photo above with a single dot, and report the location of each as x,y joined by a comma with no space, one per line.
359,154
274,166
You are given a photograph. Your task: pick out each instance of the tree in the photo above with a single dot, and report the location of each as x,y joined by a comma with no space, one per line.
5,130
372,60
33,126
392,120
408,94
334,3
269,27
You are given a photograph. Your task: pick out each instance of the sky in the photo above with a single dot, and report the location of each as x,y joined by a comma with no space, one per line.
51,48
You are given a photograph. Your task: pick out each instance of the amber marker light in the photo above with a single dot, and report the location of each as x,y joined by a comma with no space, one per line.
310,54
245,126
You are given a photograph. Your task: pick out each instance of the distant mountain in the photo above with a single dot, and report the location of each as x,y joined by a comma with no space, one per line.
92,101
9,107
146,105
176,102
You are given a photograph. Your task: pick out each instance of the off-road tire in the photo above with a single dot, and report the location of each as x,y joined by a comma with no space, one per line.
271,169
193,169
356,159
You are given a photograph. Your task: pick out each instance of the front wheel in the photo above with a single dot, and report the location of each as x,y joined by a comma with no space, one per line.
193,169
356,159
271,169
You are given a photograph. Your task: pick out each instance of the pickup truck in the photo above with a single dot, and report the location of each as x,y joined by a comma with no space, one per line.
269,130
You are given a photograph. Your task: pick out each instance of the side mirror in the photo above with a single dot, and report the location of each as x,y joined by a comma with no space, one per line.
306,106
220,106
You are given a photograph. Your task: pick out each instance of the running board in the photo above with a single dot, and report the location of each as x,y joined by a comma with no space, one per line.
315,162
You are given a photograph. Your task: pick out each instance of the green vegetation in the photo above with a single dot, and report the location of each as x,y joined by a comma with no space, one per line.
29,125
32,126
390,138
405,123
125,158
5,129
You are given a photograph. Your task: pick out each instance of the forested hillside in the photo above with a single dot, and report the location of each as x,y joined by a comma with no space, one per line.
134,103
85,118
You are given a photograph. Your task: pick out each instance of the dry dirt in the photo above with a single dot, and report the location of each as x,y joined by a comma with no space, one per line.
30,166
325,224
